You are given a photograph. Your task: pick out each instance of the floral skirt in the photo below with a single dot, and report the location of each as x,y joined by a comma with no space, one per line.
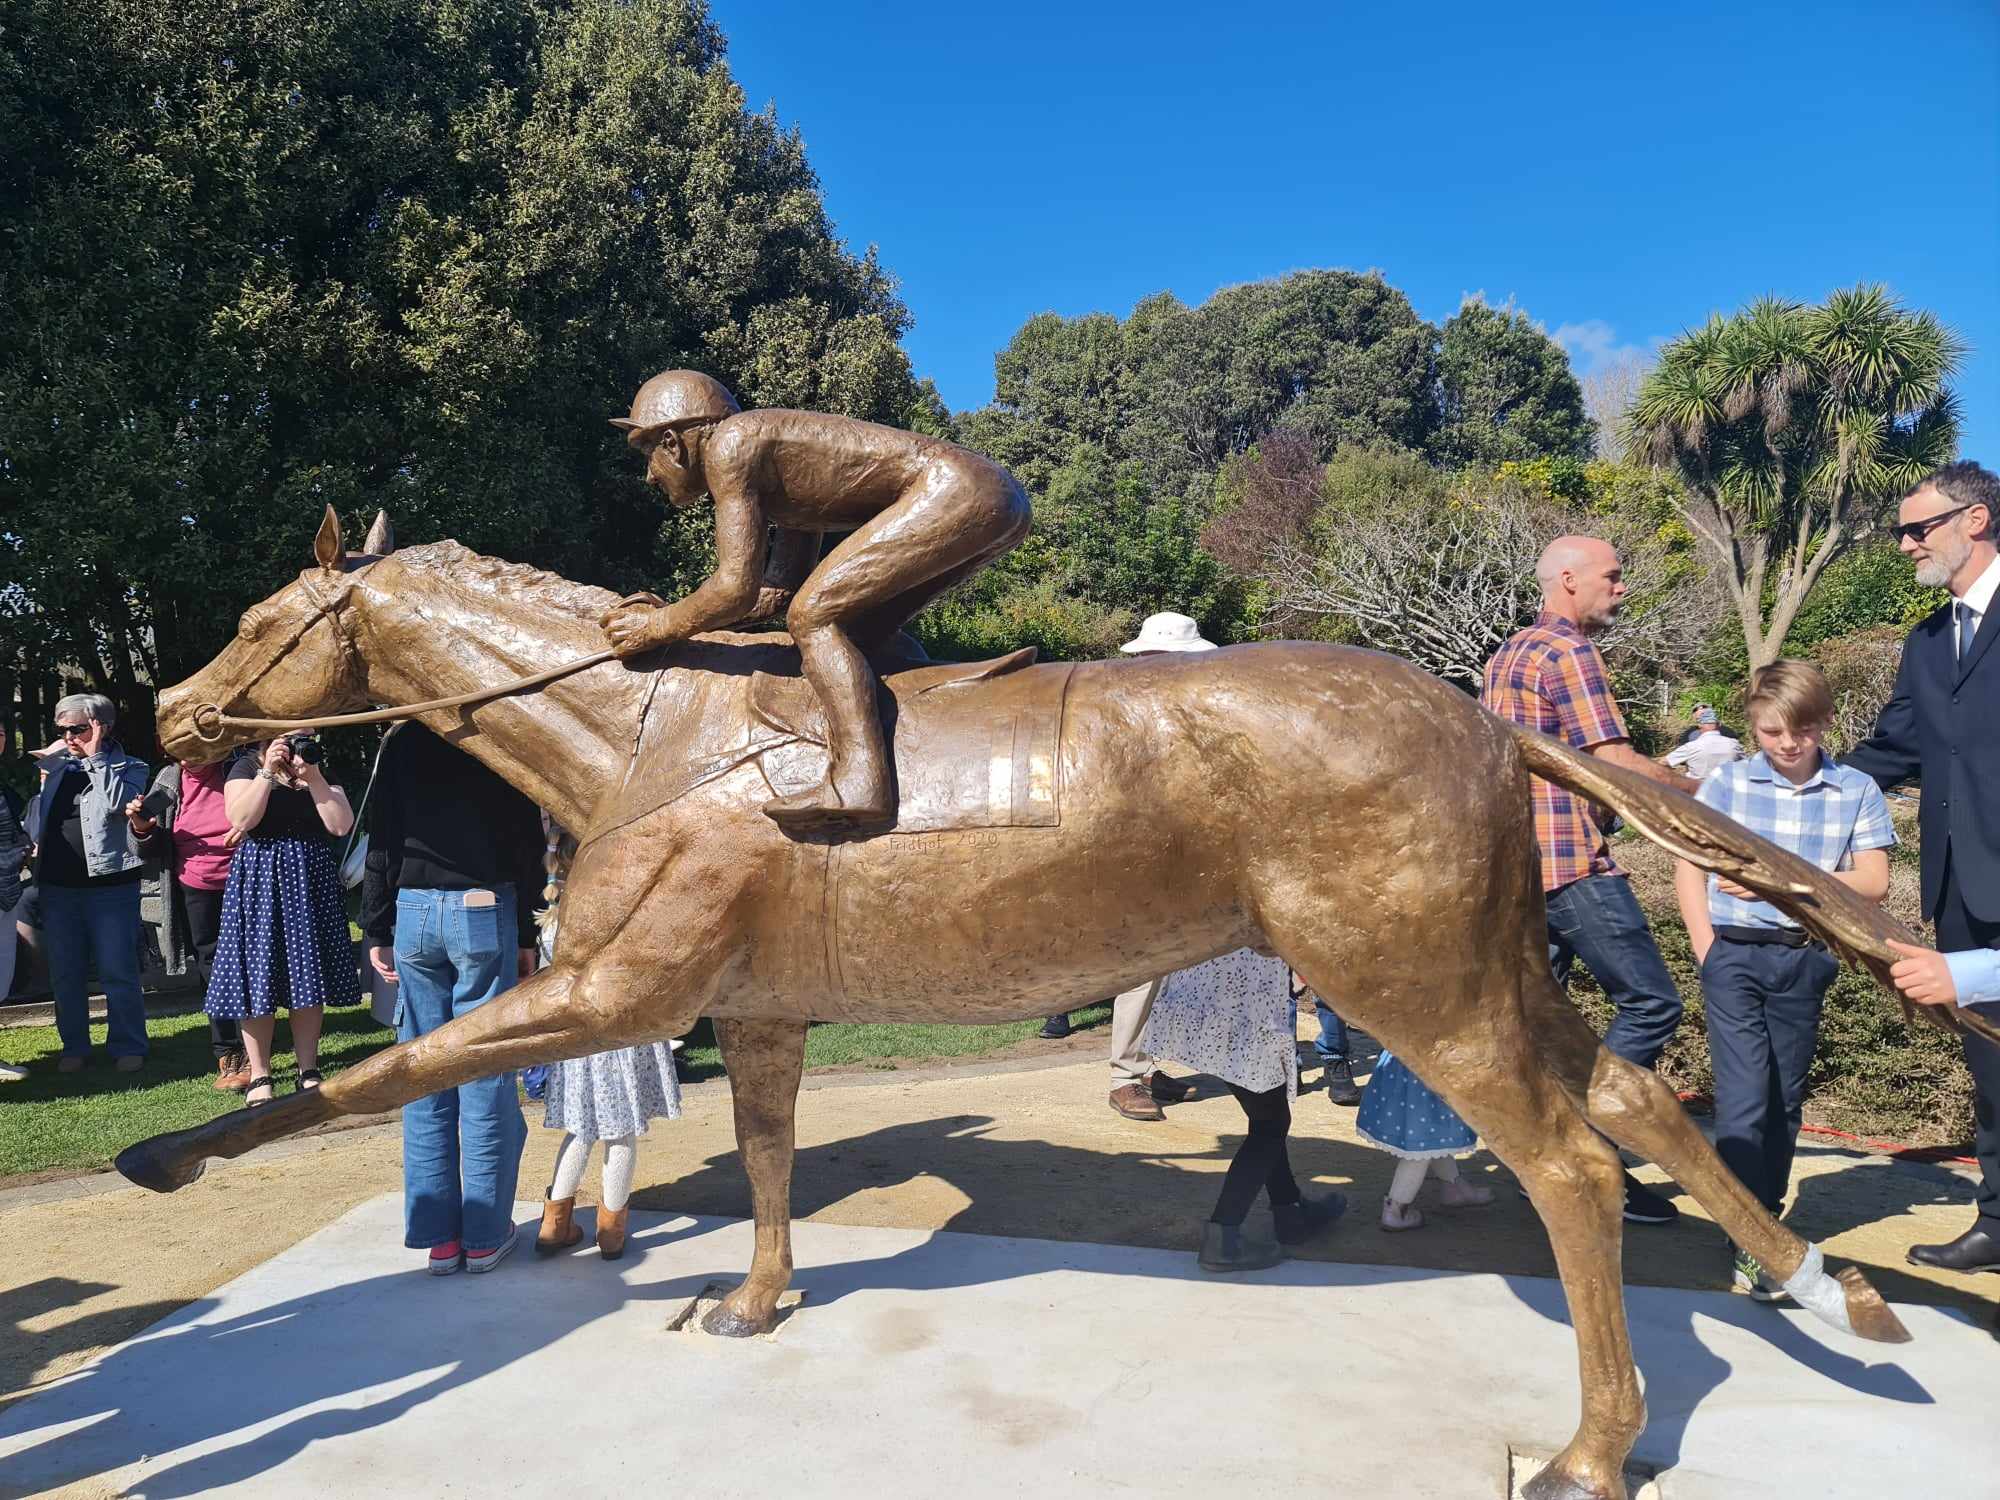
284,937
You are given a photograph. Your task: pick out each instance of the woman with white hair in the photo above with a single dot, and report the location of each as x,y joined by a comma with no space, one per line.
87,870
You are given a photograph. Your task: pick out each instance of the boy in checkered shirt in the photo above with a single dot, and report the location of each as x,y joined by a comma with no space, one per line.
1763,978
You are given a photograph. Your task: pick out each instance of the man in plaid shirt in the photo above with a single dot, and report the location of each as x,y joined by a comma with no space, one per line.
1551,677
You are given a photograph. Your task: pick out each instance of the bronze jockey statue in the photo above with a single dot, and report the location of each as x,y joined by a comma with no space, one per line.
924,514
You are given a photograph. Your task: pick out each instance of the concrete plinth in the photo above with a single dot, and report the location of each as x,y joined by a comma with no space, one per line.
966,1365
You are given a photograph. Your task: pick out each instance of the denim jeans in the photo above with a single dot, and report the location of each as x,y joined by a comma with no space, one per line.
1597,919
101,923
1331,1043
1763,1005
461,1148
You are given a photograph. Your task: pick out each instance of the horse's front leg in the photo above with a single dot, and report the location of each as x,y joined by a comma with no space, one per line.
764,1059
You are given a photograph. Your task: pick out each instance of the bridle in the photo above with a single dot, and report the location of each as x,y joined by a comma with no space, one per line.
211,723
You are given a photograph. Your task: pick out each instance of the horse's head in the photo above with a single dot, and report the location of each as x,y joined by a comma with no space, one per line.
294,656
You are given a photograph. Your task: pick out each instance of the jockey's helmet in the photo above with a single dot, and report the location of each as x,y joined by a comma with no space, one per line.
678,398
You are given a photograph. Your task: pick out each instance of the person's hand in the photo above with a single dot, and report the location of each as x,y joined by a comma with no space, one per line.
1923,976
382,959
635,626
1731,888
524,963
135,814
277,757
236,835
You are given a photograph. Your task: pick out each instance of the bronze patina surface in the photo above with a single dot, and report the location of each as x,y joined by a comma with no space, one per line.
1361,819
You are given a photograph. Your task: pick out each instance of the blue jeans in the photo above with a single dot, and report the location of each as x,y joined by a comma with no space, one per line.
1597,919
1763,1005
101,923
461,1148
1331,1043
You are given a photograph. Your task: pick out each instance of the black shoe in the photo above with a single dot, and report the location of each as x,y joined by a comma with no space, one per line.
1644,1206
1055,1028
1338,1075
1300,1221
1224,1247
1978,1249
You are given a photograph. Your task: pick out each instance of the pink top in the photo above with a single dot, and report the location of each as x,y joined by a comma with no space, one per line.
201,859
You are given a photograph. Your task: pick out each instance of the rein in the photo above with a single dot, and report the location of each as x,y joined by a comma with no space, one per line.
211,723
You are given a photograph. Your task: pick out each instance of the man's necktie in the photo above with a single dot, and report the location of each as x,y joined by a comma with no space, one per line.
1965,627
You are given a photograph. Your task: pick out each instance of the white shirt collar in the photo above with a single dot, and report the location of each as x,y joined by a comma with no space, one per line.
1979,598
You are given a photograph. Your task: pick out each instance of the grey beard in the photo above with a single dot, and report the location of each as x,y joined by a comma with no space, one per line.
1935,571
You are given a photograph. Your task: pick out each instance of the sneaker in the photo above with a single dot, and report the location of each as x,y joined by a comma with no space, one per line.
446,1258
1055,1028
71,1062
11,1074
1398,1217
478,1261
1338,1075
128,1064
1751,1277
1644,1206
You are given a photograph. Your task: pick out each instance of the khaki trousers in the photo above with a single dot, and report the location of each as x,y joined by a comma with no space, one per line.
1129,1061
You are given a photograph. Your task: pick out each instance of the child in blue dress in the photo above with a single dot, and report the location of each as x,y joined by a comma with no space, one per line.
1404,1118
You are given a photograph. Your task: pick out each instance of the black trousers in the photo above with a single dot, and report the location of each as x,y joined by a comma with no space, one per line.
1957,930
1261,1162
1763,1004
200,916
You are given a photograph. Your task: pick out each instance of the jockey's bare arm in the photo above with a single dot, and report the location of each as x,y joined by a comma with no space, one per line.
728,596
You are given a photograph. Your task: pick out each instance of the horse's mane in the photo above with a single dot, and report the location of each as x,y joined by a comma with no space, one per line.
513,584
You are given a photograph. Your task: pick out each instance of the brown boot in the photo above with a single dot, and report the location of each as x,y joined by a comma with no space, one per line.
232,1073
559,1227
611,1231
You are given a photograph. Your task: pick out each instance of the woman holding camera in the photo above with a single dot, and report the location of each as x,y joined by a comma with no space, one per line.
284,926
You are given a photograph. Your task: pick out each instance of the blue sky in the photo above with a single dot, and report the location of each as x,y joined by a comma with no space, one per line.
1618,176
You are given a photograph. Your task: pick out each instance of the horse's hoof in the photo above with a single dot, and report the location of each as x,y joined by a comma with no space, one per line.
726,1323
1554,1484
1871,1316
151,1164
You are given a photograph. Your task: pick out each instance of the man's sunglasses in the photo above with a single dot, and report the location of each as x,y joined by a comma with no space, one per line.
1918,531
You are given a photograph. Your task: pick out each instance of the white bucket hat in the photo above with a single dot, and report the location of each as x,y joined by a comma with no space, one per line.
1167,632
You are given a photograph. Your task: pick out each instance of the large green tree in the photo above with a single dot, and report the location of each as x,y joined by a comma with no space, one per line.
401,253
1794,429
1506,391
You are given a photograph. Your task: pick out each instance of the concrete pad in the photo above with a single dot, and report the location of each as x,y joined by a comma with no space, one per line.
971,1365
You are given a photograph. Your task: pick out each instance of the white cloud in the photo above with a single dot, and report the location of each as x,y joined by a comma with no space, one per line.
1594,345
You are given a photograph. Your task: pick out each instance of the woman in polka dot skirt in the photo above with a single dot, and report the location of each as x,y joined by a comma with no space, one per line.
1407,1120
284,925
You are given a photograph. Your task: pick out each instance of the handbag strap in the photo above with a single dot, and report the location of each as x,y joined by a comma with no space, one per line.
367,791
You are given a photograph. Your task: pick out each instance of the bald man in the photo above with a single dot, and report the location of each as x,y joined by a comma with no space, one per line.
1551,677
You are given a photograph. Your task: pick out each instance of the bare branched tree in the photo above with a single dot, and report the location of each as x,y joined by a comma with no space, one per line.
1608,394
1443,586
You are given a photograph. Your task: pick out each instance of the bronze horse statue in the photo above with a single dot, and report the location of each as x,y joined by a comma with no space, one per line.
1064,831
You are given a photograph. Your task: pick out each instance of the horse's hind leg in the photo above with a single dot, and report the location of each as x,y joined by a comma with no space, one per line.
764,1059
1632,1106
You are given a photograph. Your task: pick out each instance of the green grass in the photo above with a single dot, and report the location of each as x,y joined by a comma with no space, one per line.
80,1121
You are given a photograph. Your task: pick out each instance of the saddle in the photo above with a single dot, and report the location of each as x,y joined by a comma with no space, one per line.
974,744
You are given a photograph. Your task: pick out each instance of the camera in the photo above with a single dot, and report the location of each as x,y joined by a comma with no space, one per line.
305,749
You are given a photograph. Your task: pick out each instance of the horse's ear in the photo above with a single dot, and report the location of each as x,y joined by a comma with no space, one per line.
381,536
328,550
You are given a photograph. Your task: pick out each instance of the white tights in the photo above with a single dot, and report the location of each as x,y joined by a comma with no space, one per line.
1410,1176
620,1156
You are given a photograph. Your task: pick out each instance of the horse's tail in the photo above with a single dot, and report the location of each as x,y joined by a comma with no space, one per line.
1857,929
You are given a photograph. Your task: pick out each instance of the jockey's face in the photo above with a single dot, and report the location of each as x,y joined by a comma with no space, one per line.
673,467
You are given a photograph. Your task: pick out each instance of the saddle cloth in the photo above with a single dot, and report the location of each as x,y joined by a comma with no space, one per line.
974,746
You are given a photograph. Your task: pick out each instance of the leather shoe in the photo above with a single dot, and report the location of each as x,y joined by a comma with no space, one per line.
232,1073
1338,1075
1978,1249
1168,1090
1135,1102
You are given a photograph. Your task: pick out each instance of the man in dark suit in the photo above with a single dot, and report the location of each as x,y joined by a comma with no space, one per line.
1942,728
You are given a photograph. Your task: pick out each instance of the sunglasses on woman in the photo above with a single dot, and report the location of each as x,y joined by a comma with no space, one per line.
1918,531
73,731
